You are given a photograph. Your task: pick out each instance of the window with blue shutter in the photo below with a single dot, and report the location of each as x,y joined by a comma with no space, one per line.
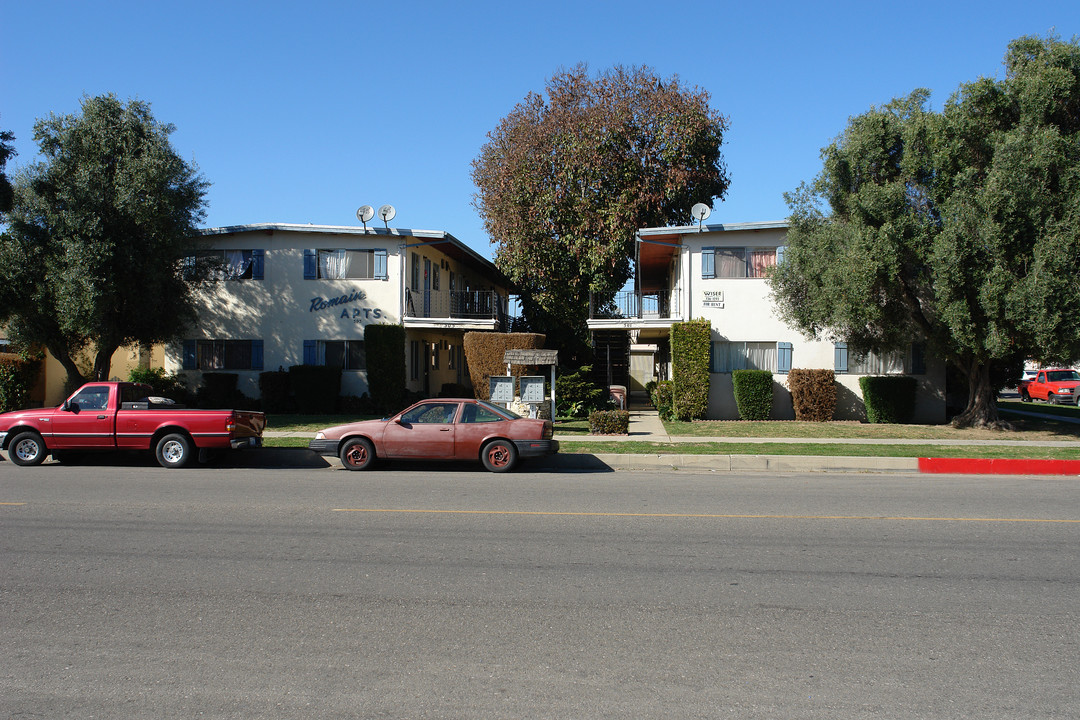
783,357
840,353
311,263
257,264
189,355
311,352
381,272
918,359
256,354
708,262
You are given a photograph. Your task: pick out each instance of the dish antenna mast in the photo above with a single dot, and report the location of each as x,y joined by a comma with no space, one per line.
387,213
701,212
365,213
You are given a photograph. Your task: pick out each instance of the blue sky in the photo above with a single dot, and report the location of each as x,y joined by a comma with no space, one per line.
302,112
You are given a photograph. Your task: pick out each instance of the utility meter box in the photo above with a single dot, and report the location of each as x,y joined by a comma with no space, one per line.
532,389
502,389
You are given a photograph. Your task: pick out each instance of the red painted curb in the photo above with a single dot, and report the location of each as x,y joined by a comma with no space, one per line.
999,466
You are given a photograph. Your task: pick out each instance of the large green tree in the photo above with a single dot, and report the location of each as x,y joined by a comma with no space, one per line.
958,228
92,260
566,180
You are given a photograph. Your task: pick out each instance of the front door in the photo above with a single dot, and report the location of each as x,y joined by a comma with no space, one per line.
424,431
87,424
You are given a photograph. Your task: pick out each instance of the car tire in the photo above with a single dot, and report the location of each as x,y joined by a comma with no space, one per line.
174,450
357,454
27,448
499,456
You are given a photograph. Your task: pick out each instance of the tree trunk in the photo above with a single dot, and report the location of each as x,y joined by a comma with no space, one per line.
74,376
102,362
981,410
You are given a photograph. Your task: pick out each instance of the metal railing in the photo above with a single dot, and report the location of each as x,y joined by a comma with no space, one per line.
661,305
470,305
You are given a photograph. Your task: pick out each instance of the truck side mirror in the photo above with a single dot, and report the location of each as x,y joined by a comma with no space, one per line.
66,407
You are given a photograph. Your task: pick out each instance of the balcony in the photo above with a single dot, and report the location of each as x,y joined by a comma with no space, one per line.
474,309
661,307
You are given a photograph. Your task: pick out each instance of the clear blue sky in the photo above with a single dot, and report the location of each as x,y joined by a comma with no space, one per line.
300,112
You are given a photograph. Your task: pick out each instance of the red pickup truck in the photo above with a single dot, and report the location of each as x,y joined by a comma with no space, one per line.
124,416
1055,386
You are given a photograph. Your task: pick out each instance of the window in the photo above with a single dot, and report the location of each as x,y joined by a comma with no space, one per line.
729,356
223,354
414,359
95,397
439,413
479,414
345,264
720,262
759,260
892,363
228,264
344,354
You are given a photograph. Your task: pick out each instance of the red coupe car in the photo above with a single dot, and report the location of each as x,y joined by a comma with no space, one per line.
440,429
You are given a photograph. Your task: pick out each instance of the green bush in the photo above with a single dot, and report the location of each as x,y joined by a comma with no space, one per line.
218,390
385,357
662,399
274,388
888,398
813,394
691,343
17,378
315,388
576,395
609,422
164,384
753,393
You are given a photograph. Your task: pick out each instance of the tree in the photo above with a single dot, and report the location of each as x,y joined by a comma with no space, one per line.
959,229
97,234
7,151
564,183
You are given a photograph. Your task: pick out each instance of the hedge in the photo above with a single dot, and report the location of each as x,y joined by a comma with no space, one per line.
484,352
753,393
384,348
316,388
609,422
888,398
813,394
17,378
690,348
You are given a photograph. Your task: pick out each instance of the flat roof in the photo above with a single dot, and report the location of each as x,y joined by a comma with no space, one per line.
719,227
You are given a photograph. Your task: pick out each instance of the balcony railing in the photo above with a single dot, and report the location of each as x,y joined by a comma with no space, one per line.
443,304
661,305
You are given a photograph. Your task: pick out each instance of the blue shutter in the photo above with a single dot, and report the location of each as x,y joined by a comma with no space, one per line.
257,270
840,357
189,355
257,354
708,262
311,263
380,265
311,356
783,357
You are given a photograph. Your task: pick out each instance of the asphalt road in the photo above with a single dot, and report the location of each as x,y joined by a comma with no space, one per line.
137,592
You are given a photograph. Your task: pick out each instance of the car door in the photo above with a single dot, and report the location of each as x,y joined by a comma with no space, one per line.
424,431
86,422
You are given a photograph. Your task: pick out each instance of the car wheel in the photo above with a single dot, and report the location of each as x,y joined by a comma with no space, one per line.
357,454
174,451
499,455
27,448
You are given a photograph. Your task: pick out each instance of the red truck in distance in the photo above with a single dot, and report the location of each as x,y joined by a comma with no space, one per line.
124,416
1053,386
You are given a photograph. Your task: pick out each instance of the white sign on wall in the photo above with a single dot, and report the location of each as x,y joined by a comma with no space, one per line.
714,298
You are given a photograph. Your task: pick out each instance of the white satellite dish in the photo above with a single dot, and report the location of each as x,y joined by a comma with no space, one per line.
387,213
365,213
701,212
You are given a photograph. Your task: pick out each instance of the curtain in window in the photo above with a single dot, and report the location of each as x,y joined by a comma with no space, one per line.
875,364
761,356
237,264
730,262
759,261
333,264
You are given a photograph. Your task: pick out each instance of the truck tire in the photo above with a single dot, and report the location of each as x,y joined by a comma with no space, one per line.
1049,398
499,456
1024,397
357,454
27,448
174,450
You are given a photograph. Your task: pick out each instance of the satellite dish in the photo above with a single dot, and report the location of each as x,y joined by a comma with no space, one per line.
365,213
701,211
387,213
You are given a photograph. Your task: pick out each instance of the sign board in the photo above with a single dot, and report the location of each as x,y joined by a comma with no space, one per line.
531,357
714,298
532,389
502,389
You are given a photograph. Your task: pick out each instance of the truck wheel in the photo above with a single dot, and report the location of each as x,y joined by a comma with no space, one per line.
357,454
27,448
499,456
1049,398
1024,397
174,451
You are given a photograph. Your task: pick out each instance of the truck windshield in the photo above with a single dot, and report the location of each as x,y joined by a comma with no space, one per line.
1062,375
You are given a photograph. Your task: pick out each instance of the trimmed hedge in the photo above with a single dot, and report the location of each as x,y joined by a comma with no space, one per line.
17,378
164,384
384,348
888,398
315,388
218,390
609,422
753,393
690,348
484,353
274,389
813,394
662,396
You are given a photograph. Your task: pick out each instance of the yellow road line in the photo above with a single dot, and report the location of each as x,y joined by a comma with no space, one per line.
719,516
7,503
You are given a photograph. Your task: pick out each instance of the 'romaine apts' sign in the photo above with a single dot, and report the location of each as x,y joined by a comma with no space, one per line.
319,304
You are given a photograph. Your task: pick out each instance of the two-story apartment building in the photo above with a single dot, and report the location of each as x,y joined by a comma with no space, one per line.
717,272
302,294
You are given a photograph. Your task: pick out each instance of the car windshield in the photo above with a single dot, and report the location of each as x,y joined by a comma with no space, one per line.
1062,375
